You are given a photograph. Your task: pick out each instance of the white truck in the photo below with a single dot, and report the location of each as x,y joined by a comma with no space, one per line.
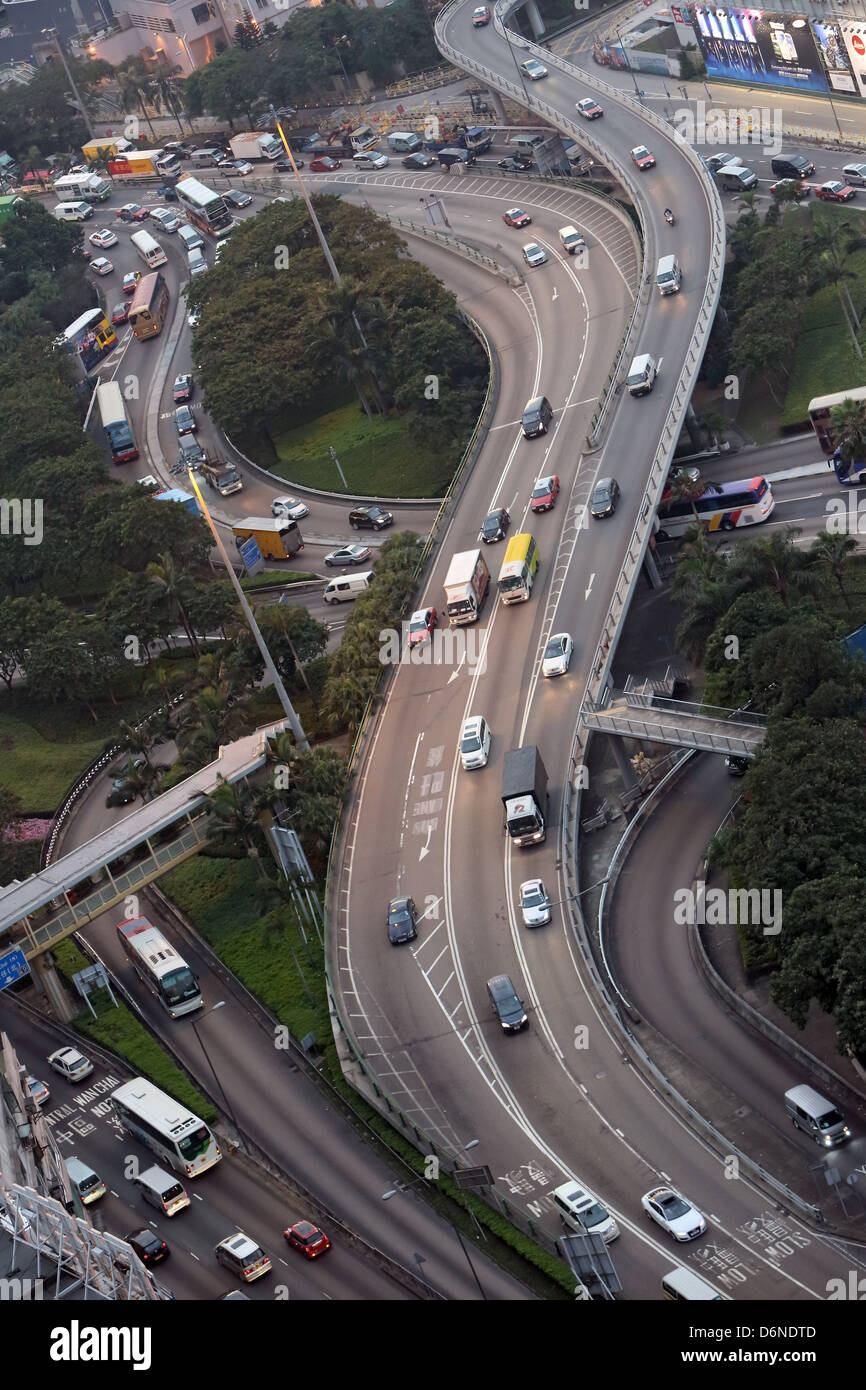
466,584
252,145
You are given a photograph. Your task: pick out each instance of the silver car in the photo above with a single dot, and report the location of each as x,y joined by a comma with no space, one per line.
290,507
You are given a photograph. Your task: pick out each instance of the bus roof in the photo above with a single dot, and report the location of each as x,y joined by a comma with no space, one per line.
857,393
198,193
518,548
144,291
148,942
153,1104
83,321
726,489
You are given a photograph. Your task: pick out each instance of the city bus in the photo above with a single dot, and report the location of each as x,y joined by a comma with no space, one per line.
149,306
91,336
159,966
163,1125
851,474
204,208
743,503
148,249
115,422
518,569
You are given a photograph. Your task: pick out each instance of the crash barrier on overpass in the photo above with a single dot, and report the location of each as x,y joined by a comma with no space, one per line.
658,719
460,248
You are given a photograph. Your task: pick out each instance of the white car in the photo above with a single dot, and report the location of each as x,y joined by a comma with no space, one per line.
557,655
101,266
533,69
168,221
243,166
589,109
474,742
103,238
534,903
192,317
673,1213
71,1064
290,507
371,159
533,254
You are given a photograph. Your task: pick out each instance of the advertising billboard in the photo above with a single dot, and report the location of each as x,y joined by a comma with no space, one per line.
764,48
854,39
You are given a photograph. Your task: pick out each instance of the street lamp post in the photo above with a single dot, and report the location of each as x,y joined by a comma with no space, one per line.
627,59
58,43
405,1187
232,1117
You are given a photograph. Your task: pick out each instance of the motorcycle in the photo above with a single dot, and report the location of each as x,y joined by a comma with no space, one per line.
669,217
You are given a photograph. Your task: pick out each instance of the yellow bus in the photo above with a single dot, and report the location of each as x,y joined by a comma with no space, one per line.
518,569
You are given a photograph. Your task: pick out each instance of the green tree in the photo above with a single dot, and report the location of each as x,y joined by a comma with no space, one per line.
848,424
235,810
832,552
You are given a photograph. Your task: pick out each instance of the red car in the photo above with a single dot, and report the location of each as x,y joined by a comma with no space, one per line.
516,217
133,212
325,164
589,109
120,314
642,157
130,281
835,192
480,16
422,625
544,494
307,1238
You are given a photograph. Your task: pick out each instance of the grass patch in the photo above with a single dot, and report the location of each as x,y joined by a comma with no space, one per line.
378,457
825,359
266,577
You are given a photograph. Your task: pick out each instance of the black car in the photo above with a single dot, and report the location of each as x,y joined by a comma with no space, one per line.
147,1246
402,921
236,198
736,766
604,499
494,526
419,160
515,164
370,519
506,1005
284,164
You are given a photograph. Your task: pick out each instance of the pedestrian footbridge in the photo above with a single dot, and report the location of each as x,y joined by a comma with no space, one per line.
37,912
644,711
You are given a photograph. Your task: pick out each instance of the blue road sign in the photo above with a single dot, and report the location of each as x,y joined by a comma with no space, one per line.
13,966
251,555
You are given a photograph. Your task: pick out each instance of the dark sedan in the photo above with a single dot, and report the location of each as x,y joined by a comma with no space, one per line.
419,160
605,497
494,526
402,921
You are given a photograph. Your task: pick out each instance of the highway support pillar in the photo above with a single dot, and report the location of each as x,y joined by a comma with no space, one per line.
626,771
651,570
536,23
498,106
47,979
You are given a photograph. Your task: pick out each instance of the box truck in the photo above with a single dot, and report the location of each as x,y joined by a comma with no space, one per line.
524,795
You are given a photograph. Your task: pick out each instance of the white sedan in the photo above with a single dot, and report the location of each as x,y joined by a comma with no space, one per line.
71,1064
290,507
103,238
557,655
533,254
534,903
371,159
243,166
673,1213
101,266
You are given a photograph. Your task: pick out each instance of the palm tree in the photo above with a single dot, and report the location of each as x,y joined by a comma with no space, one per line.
235,809
175,586
687,488
832,552
346,697
747,203
774,562
848,425
827,250
134,87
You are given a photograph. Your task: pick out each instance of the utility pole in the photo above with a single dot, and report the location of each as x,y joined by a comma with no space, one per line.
55,35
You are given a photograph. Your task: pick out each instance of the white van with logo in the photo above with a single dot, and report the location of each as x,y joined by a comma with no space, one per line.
73,212
347,587
668,276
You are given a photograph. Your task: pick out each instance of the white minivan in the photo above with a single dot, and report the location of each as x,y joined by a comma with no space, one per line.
347,587
73,212
668,276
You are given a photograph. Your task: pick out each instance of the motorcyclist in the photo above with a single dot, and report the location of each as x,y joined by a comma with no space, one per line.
669,217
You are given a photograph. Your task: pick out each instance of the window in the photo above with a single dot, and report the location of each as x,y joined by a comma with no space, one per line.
202,13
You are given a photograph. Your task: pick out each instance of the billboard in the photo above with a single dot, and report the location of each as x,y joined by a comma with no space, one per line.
763,48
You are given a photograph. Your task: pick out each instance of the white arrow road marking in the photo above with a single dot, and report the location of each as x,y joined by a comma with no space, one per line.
426,848
456,672
588,589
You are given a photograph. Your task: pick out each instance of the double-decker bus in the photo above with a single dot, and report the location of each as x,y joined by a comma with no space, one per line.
518,569
175,1134
91,336
721,508
149,305
849,474
148,249
115,422
203,207
159,966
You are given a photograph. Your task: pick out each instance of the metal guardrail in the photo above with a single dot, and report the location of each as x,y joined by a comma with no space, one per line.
462,248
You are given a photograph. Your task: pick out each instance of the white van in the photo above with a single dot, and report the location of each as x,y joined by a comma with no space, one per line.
190,238
73,212
668,277
84,1180
526,144
583,1212
404,141
642,374
816,1116
571,239
162,1190
347,587
682,1286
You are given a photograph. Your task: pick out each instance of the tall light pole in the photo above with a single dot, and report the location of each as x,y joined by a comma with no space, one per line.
627,59
211,1010
294,722
58,43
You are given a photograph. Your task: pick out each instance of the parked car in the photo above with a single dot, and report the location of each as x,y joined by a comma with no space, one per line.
533,254
103,238
101,266
419,160
370,518
182,389
557,655
290,507
673,1213
495,525
402,921
544,494
589,108
71,1064
642,158
516,217
307,1238
324,164
348,555
237,198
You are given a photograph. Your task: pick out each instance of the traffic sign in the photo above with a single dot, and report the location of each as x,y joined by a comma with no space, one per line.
13,966
251,555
